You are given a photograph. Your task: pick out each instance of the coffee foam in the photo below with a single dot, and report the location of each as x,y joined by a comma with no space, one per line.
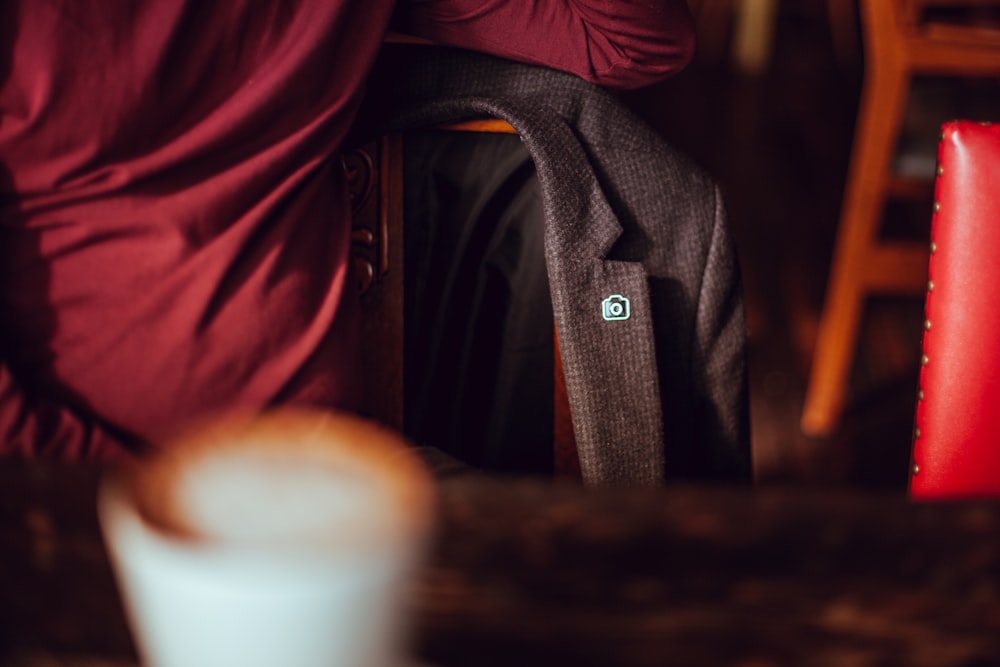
286,479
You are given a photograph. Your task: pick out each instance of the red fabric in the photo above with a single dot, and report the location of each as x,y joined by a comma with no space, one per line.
173,230
957,446
618,44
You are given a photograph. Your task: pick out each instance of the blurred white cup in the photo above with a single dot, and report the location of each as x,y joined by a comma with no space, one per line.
286,539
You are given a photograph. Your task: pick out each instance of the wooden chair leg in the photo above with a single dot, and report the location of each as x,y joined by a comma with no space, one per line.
375,181
858,265
754,36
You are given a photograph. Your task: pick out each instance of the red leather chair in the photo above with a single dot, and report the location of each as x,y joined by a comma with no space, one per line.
956,445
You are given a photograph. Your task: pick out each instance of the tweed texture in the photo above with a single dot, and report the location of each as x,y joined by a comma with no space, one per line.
659,395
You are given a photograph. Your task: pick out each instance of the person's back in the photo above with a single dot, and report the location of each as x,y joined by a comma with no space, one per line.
173,230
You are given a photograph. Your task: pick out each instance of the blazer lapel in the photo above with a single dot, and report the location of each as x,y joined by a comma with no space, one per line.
606,339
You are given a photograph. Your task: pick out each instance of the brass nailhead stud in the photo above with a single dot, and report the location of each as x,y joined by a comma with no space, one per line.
924,360
933,247
920,395
930,285
937,206
927,325
916,470
916,433
940,170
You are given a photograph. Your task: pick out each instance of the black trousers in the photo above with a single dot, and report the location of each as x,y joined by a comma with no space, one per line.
478,316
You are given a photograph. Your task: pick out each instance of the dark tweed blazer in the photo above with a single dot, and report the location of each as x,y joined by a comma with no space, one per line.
661,394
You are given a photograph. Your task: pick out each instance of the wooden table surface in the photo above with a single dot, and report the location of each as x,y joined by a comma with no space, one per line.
527,573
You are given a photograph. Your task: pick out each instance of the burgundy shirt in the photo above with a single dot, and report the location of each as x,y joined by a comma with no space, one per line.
173,226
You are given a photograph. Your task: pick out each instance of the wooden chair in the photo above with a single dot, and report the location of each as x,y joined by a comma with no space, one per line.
900,43
956,440
375,177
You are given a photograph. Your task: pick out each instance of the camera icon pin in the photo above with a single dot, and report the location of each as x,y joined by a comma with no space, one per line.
616,307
